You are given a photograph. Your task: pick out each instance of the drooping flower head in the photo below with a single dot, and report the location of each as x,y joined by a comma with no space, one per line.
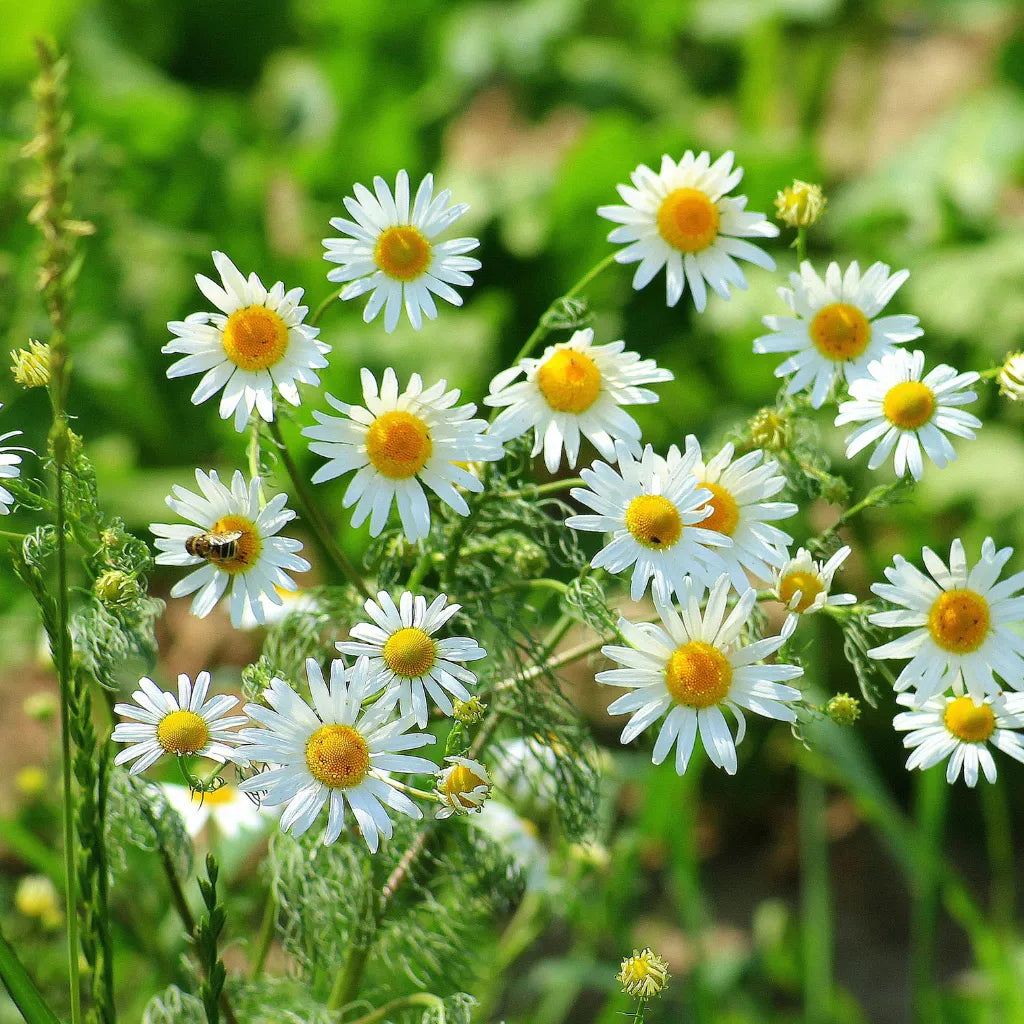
332,754
393,253
398,443
655,514
804,585
835,330
690,668
237,545
188,725
901,408
575,388
462,787
256,343
406,659
682,219
960,634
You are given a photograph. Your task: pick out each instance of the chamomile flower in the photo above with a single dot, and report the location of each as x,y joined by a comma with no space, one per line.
901,409
693,666
187,725
292,602
398,443
230,810
10,462
740,509
392,251
575,388
332,754
804,585
960,730
256,343
405,657
652,510
462,787
240,543
960,618
682,219
836,330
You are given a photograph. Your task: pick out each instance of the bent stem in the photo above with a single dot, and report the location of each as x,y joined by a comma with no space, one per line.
313,516
322,308
417,999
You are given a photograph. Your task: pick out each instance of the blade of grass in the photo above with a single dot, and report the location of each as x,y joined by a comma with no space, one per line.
22,989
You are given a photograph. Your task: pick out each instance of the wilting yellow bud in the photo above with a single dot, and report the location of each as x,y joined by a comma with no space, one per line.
1011,377
770,430
644,974
800,205
30,781
843,709
31,366
36,896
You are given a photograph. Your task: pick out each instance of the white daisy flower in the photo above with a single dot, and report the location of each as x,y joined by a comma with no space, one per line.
186,725
575,388
331,754
391,251
517,839
231,811
526,770
255,343
804,585
692,666
10,462
960,633
238,538
958,729
462,787
398,443
651,510
274,614
740,510
682,219
406,659
836,331
899,409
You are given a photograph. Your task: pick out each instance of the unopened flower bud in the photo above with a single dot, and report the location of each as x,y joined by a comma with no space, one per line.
31,366
771,430
800,205
843,709
115,587
529,560
469,712
1011,377
36,896
644,974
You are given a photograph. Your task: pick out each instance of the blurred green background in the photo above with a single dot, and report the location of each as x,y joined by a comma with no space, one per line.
241,124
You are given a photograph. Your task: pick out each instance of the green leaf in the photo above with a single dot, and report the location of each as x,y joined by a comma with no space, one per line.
22,989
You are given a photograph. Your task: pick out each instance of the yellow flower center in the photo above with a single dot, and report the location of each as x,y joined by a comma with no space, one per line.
241,554
462,780
959,621
909,405
402,253
337,756
398,444
967,722
569,381
698,675
215,797
410,653
654,521
182,732
255,338
688,220
806,582
726,514
840,331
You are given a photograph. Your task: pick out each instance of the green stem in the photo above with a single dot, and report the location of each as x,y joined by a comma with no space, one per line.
999,844
930,811
322,308
349,979
638,1016
316,521
801,244
539,490
266,936
7,535
816,902
417,999
420,570
542,582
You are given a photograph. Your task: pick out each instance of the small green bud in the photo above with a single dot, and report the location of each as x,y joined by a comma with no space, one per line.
836,491
529,560
31,366
843,709
115,587
800,205
771,430
469,712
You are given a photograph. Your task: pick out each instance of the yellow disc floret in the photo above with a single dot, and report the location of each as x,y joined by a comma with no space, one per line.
654,521
182,732
959,620
402,252
909,405
698,675
338,756
398,444
255,338
688,220
968,722
245,551
462,780
726,515
410,653
806,582
569,381
840,332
